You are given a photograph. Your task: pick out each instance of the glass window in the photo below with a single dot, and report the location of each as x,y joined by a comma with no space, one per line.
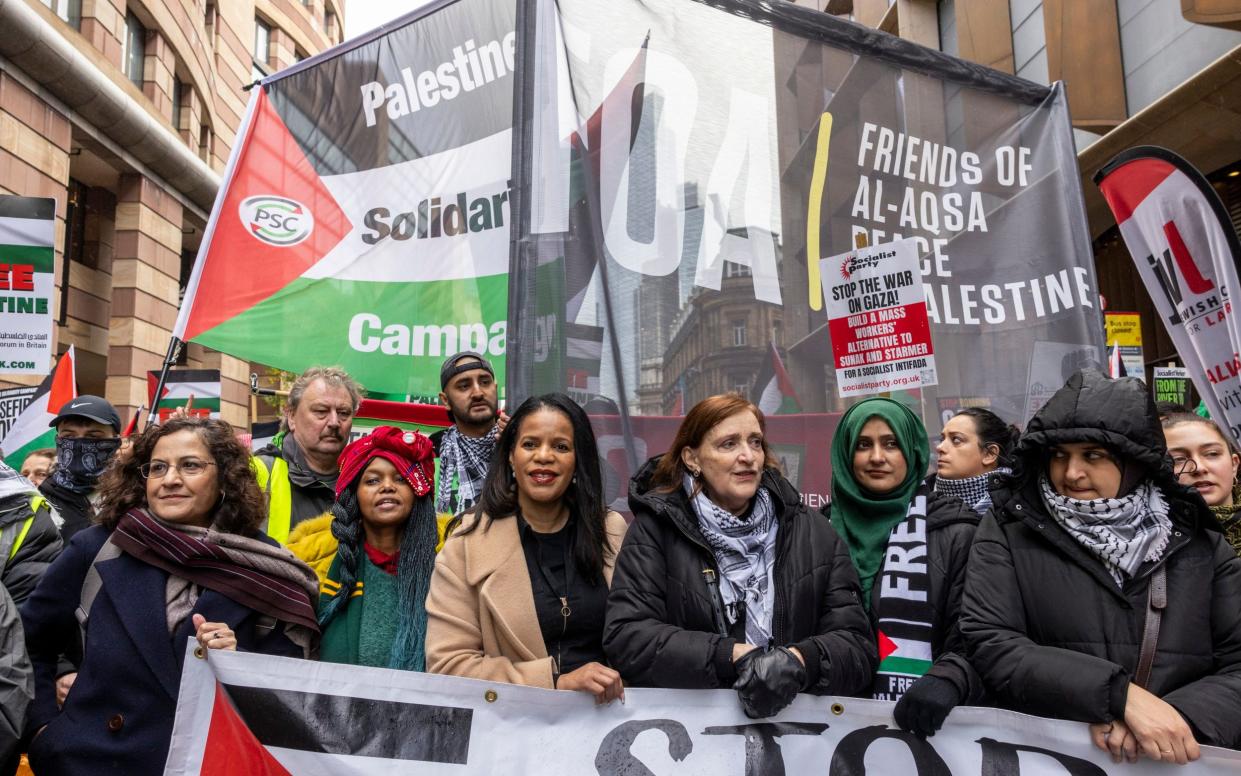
262,41
262,49
68,10
133,48
178,94
204,143
209,16
739,333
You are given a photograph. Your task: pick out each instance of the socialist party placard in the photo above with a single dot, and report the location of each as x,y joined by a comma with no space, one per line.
27,282
877,319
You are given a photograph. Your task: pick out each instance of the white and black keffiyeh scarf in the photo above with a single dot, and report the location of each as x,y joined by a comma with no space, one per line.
463,467
1122,532
974,491
745,552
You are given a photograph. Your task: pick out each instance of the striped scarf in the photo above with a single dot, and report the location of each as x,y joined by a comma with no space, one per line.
904,611
1122,532
264,577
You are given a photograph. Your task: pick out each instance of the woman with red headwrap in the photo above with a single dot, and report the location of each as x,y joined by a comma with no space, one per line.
372,597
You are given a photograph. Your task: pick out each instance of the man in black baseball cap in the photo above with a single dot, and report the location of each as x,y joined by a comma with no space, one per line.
468,388
87,436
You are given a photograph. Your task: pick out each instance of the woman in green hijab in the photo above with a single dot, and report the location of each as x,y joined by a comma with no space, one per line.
909,545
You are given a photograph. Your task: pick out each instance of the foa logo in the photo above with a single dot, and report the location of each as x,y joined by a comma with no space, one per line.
276,220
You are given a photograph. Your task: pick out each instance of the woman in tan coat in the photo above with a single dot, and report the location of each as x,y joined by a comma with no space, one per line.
520,588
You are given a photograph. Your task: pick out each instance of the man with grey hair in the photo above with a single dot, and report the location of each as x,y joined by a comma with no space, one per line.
298,470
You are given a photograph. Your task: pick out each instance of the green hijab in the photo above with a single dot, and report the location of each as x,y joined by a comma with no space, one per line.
863,519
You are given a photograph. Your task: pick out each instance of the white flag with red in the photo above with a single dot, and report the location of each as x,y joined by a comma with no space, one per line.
1186,253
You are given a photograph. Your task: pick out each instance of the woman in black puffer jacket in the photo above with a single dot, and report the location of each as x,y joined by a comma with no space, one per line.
726,580
1065,568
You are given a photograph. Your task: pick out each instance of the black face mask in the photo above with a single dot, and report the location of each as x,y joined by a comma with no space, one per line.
81,461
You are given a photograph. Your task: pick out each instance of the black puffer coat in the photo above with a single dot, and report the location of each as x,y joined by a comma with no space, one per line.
662,617
1046,626
75,509
950,526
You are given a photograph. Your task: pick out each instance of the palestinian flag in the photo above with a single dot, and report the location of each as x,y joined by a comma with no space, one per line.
30,431
904,656
773,390
182,384
364,216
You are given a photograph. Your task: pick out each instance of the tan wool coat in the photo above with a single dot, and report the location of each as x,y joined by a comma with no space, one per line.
481,621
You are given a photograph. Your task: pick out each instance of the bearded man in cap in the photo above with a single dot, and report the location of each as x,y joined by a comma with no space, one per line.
468,389
87,437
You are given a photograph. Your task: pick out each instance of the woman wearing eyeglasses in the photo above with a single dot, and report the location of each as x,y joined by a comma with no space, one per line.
176,556
1205,460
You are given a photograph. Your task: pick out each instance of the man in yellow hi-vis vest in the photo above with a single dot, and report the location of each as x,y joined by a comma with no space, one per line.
29,534
299,474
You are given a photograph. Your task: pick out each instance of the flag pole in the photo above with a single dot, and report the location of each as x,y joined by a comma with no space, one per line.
174,350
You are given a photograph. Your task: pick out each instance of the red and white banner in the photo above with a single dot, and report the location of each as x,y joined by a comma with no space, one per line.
1186,252
877,319
259,715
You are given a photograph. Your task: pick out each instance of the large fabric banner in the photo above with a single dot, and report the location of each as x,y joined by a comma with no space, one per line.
1186,252
684,165
364,219
259,715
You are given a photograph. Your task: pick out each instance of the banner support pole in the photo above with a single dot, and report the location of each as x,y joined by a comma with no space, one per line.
170,359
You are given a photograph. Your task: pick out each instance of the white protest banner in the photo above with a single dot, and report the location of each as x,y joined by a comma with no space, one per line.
256,714
877,320
27,282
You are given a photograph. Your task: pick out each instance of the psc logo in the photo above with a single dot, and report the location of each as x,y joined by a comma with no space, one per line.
276,220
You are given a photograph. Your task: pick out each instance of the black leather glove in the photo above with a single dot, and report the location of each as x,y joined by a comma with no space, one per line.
768,680
925,705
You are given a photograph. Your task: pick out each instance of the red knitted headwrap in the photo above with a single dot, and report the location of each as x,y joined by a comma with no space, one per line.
409,451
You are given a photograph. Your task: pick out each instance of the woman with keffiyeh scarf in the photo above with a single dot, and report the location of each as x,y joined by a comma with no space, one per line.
727,580
178,556
883,510
975,445
1100,589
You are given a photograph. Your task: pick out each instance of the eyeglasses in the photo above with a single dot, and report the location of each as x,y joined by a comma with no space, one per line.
191,467
1183,465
